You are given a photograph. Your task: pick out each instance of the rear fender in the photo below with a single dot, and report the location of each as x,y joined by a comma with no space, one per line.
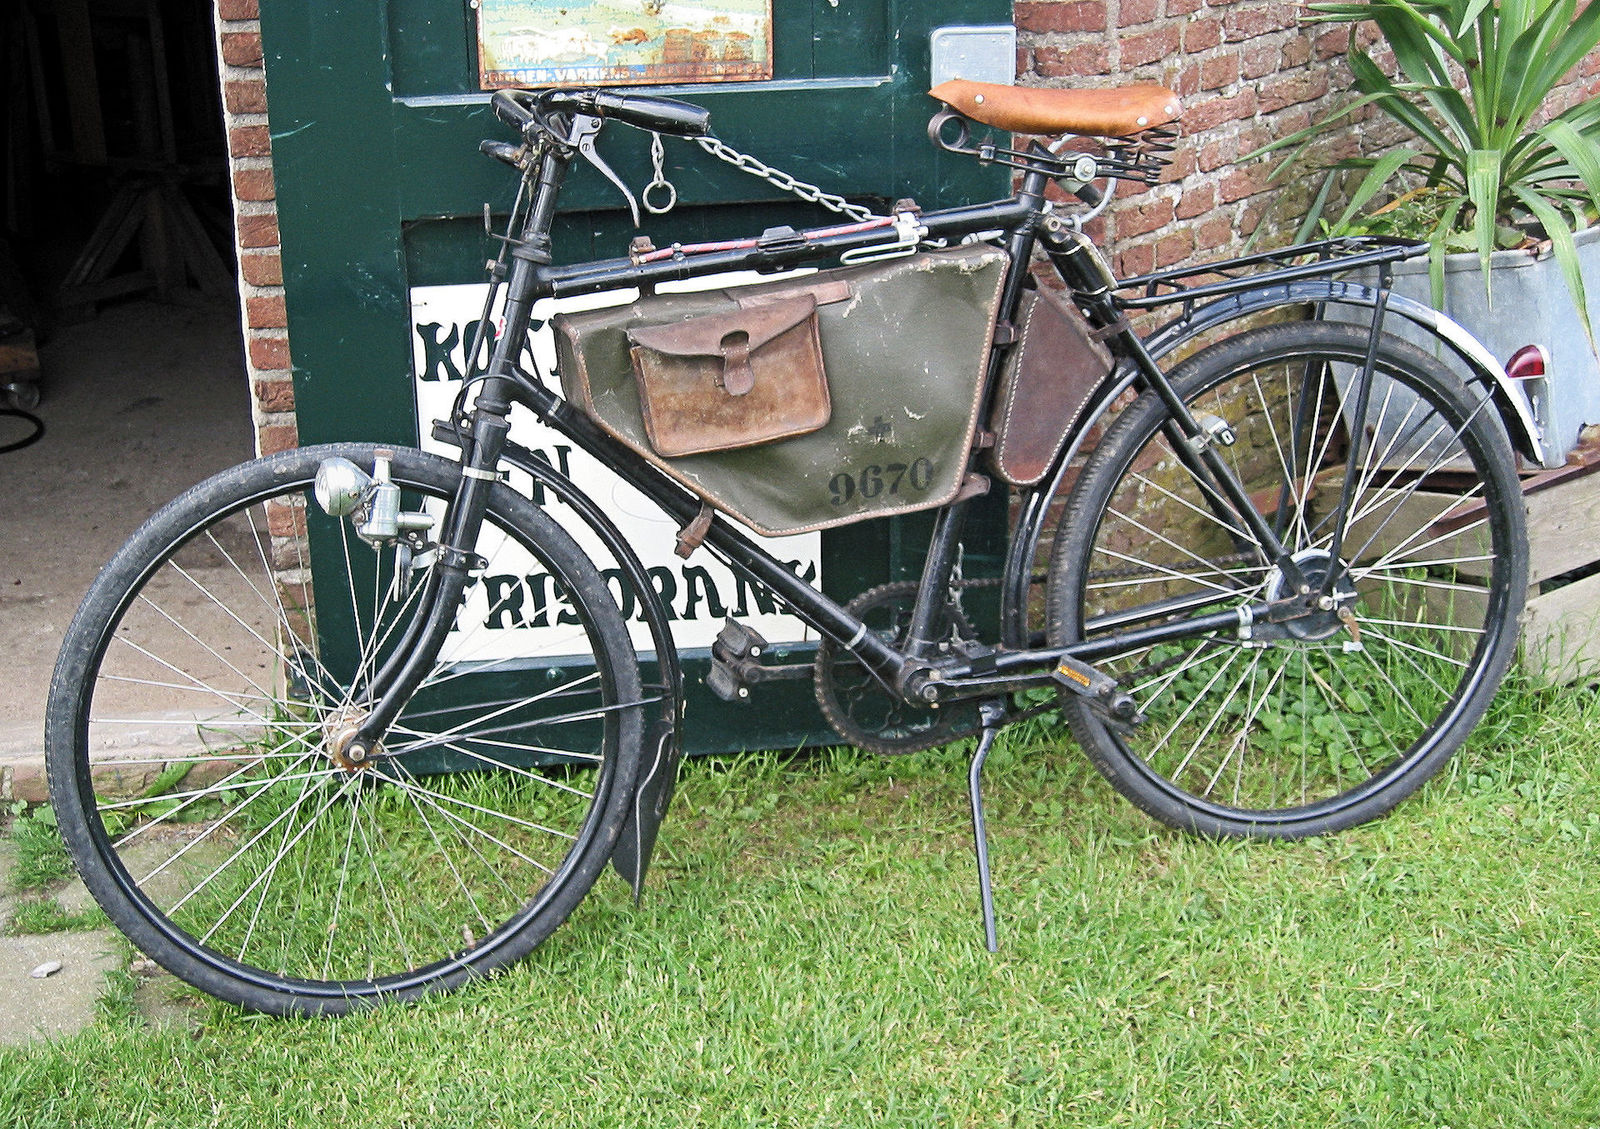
1509,398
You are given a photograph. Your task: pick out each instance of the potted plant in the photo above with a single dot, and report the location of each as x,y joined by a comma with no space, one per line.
1504,192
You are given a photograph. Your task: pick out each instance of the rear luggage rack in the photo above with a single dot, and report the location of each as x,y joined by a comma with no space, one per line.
1265,268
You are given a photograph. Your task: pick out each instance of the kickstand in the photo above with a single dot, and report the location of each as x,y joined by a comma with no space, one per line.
992,714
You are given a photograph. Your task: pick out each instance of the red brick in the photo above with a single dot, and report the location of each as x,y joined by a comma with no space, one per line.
1237,183
249,141
1332,44
269,353
1252,215
1217,152
1133,12
1084,59
1147,216
266,312
245,96
1213,112
275,395
1249,20
1182,166
28,782
1135,259
1174,247
253,184
1149,46
1196,200
258,229
262,269
1297,52
1201,33
277,437
238,9
1258,59
1214,233
1045,15
1183,7
1292,90
241,48
1219,71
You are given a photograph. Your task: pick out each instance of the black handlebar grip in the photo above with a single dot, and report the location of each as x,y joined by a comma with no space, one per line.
662,115
508,108
500,151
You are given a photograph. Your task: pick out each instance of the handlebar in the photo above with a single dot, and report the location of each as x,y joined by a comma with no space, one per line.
521,108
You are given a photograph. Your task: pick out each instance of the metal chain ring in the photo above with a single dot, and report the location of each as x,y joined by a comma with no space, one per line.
784,181
865,712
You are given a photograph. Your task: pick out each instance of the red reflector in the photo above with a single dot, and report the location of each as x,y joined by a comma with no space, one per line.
1528,361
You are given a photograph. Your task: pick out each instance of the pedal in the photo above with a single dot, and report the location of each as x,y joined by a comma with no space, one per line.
736,642
736,663
737,648
1115,705
1120,713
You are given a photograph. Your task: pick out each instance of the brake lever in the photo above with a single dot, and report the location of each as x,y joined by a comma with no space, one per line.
584,130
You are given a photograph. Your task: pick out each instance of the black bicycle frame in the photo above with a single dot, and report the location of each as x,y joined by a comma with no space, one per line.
1022,222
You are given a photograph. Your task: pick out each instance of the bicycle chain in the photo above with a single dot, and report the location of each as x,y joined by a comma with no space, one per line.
783,181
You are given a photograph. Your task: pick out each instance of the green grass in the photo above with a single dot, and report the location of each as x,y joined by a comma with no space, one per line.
43,915
41,856
809,954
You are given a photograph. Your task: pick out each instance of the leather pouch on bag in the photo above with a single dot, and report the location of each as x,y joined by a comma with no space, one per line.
735,379
1049,380
906,343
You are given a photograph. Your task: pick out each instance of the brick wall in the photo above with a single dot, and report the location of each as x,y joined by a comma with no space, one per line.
1248,73
244,97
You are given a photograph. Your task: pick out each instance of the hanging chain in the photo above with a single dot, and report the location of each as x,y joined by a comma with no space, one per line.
658,165
783,181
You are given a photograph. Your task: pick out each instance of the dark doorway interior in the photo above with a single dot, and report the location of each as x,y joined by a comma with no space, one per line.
119,312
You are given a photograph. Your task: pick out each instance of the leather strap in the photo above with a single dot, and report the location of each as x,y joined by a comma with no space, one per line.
693,535
738,378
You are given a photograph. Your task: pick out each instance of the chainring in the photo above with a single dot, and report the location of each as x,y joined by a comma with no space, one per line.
865,712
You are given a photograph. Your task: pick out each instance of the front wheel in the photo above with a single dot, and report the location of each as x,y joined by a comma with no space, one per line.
1324,721
195,752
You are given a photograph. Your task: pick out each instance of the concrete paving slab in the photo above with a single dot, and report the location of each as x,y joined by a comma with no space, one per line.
62,1003
74,898
8,862
162,999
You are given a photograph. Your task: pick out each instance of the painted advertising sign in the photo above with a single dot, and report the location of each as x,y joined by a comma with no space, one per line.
618,42
519,608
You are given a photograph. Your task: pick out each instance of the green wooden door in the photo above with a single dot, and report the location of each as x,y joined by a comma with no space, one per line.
375,115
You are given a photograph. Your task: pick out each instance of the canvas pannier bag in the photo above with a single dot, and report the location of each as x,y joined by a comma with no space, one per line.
720,381
1048,382
904,347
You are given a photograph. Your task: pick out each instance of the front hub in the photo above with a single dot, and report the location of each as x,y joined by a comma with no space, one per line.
341,741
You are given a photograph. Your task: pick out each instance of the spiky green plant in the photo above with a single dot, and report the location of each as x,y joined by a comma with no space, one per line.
1474,77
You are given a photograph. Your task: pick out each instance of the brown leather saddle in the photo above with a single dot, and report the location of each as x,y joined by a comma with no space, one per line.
1118,112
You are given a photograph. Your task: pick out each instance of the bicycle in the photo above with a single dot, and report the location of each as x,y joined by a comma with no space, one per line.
1282,591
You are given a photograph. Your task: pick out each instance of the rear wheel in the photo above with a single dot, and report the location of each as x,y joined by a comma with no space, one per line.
1330,719
195,753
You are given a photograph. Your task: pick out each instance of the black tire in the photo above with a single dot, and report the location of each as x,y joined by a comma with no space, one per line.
196,692
1314,725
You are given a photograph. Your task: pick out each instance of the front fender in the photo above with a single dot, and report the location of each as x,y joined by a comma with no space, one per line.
663,745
